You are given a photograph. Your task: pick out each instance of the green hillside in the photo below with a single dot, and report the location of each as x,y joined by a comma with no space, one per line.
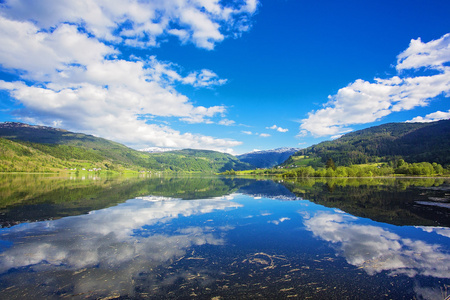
67,145
196,160
15,157
27,148
413,142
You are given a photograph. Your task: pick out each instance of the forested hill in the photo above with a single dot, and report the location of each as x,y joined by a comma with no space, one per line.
70,146
267,158
413,142
193,160
26,147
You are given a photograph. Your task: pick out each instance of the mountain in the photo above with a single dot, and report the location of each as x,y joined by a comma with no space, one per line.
156,149
69,146
413,142
267,158
40,148
192,160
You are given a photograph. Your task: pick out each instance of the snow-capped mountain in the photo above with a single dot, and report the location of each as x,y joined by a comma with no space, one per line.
156,149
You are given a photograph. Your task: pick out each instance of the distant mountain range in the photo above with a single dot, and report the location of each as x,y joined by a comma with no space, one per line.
413,142
267,158
26,147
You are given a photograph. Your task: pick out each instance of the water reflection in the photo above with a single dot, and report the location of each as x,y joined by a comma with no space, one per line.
376,249
438,230
223,237
394,201
106,249
25,198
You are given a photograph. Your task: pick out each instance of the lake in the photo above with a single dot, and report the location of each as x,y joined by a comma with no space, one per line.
156,237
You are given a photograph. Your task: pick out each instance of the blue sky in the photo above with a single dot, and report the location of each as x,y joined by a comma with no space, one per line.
231,76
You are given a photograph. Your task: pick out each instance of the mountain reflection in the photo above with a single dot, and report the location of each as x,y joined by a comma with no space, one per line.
387,200
227,238
376,249
109,248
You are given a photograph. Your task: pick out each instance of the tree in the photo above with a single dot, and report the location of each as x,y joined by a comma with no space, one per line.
330,164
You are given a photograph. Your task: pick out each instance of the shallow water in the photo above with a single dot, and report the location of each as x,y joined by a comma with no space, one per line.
223,238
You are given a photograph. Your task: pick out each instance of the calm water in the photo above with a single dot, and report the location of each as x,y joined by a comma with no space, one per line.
223,238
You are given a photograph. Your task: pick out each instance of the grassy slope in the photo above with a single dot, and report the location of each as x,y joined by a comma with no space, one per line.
69,145
37,148
15,157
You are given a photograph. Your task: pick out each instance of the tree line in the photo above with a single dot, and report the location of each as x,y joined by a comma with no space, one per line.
400,167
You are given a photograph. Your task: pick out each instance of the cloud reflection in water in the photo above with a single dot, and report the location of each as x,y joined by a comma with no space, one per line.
376,249
109,249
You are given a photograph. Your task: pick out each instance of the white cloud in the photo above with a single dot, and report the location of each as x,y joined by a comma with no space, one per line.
277,128
334,137
363,102
205,78
102,112
71,77
43,55
227,122
166,73
139,23
436,116
432,54
264,135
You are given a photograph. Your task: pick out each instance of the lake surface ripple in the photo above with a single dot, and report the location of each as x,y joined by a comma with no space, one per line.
223,238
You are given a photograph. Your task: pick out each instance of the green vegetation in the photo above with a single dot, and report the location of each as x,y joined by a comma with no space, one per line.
267,158
41,158
417,169
26,148
190,160
413,142
365,170
376,151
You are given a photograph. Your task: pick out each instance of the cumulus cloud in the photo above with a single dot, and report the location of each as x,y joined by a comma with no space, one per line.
433,54
141,23
436,116
73,74
363,102
277,128
264,135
